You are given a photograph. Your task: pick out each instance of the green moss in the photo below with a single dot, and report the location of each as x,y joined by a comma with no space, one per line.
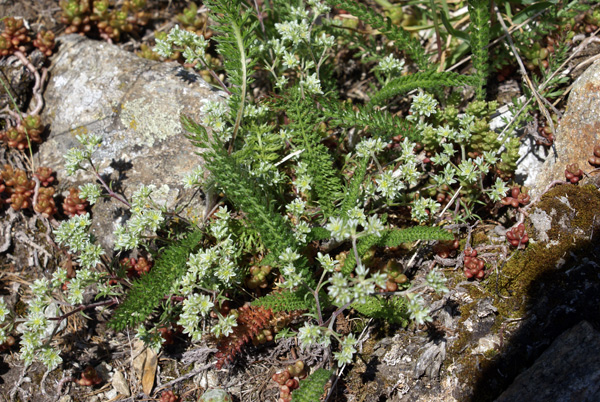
571,213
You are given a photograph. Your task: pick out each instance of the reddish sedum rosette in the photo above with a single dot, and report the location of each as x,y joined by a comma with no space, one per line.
517,236
573,173
474,267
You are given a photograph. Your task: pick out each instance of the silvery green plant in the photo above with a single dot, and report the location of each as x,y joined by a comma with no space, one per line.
279,160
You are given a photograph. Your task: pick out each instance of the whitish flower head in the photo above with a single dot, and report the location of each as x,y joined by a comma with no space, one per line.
424,104
389,64
311,84
468,171
293,31
296,207
195,178
328,263
416,307
225,326
90,192
289,256
49,357
4,311
309,335
388,186
325,40
370,147
338,228
437,281
424,208
358,214
348,349
374,226
499,190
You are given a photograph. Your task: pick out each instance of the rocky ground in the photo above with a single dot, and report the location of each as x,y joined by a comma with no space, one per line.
529,331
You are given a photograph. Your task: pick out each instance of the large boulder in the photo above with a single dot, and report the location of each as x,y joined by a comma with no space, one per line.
569,370
134,104
578,131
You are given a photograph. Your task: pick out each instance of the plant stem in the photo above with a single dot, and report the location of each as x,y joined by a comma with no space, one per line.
244,63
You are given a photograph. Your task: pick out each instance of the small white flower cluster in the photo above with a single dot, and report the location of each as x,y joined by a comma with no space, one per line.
300,226
419,313
225,325
214,117
348,350
193,46
145,220
268,174
4,312
77,285
499,190
423,209
318,8
388,186
310,335
370,147
90,192
74,234
75,157
390,65
195,178
311,84
37,328
303,180
342,229
343,290
195,307
294,32
288,270
437,281
423,104
254,111
215,267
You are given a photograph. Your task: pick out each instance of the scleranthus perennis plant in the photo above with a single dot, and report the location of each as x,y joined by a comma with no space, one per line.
294,54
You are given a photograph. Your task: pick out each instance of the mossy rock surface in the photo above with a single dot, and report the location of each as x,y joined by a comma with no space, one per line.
539,292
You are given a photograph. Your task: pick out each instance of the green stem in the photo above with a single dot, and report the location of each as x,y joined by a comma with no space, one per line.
385,4
240,113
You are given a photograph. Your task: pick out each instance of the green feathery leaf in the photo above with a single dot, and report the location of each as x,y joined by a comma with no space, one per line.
313,387
479,12
425,80
402,39
147,292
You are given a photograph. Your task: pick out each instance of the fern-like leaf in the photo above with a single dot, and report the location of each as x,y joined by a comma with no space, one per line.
392,310
379,123
393,238
479,12
402,39
147,292
425,80
313,387
353,190
288,300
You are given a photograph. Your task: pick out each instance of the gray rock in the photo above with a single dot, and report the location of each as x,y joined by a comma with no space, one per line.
134,104
120,385
578,131
569,370
431,360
